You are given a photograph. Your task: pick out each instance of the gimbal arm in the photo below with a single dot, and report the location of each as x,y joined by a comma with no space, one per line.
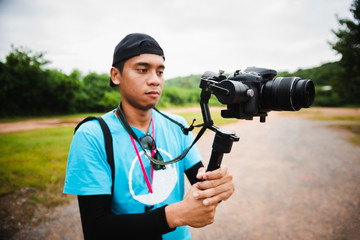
223,138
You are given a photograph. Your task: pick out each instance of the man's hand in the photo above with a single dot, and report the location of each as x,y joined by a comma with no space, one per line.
218,186
190,211
197,209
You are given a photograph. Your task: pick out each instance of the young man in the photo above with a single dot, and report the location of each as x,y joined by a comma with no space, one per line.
148,201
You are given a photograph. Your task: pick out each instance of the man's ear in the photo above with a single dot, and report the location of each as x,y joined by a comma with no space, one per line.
115,75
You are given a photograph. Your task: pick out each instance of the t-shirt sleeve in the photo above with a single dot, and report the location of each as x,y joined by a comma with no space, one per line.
88,172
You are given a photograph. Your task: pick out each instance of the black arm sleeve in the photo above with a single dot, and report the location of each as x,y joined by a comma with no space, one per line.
192,172
99,222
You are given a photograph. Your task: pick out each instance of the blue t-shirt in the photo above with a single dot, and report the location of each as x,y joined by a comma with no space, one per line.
88,172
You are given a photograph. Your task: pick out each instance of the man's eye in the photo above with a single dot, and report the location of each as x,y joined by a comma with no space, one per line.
142,70
160,73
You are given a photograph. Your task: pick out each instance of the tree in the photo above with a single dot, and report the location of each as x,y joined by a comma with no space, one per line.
60,92
347,82
27,89
20,80
95,86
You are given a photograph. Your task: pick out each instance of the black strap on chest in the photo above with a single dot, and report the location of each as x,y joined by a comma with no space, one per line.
108,145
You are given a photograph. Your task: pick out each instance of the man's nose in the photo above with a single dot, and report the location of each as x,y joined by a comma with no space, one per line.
154,78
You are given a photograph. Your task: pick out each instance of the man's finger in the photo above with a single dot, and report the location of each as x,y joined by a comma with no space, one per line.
216,174
201,172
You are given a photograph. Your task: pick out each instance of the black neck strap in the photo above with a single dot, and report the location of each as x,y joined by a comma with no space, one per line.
120,115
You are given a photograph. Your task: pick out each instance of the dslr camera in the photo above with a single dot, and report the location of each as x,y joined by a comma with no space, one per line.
255,92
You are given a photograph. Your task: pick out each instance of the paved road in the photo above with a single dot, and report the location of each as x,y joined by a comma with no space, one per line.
294,178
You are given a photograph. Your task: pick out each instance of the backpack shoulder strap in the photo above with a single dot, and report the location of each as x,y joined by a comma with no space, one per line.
108,145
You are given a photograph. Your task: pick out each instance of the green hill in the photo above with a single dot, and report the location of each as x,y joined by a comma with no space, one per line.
321,76
188,82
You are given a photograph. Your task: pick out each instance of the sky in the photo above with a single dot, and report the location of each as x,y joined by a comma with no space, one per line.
196,35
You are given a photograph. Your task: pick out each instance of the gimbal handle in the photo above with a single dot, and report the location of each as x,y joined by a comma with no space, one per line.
222,143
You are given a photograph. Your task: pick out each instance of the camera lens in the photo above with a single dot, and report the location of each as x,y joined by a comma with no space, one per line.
287,94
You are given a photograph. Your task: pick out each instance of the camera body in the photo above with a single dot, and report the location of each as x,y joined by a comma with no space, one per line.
255,92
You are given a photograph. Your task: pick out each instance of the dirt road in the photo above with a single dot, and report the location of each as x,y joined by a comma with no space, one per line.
294,179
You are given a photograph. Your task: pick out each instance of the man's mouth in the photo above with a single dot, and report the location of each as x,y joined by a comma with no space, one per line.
153,93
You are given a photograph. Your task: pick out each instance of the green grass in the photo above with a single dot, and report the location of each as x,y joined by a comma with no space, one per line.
355,129
35,159
216,117
64,117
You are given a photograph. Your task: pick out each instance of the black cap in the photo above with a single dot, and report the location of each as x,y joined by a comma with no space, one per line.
133,45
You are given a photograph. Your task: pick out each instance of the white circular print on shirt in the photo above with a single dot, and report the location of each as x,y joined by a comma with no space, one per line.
163,182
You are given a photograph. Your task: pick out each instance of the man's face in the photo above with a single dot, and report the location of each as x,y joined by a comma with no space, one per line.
142,81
